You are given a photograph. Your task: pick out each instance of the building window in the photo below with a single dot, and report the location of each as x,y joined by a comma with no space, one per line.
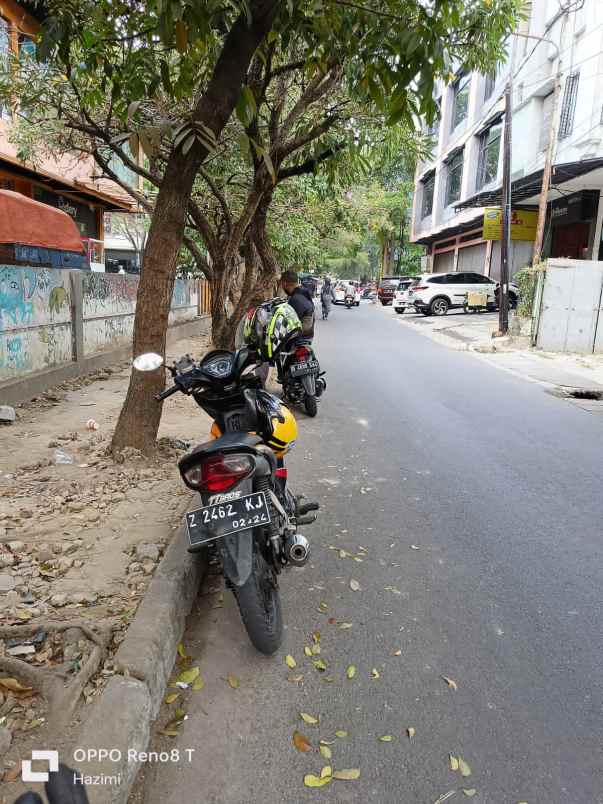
427,199
434,129
489,151
489,84
454,178
460,104
566,122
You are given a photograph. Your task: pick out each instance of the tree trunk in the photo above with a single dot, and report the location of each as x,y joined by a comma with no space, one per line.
140,416
219,284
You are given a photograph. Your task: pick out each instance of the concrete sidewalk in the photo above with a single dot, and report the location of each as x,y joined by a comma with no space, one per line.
473,332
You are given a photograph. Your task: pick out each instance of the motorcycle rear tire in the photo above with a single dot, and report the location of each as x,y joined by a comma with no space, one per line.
259,603
310,405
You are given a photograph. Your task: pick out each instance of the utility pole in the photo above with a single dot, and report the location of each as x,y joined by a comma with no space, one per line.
505,243
548,168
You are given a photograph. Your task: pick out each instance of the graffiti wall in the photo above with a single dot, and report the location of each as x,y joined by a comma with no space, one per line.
109,303
37,306
35,319
185,300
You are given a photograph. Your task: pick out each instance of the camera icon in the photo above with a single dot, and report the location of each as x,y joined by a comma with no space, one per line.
28,775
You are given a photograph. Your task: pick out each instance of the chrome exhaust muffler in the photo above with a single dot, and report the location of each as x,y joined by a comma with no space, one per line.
297,549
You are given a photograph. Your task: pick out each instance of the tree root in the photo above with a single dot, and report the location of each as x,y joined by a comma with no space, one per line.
62,699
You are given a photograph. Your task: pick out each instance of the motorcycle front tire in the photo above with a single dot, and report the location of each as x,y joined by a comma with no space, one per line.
259,603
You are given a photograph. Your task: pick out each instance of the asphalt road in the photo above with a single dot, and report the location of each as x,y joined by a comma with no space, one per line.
498,484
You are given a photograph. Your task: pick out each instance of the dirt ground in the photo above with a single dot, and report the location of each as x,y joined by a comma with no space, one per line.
80,537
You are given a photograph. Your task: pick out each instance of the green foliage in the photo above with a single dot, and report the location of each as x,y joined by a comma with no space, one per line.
527,280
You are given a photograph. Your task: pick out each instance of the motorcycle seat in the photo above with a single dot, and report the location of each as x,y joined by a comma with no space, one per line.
229,442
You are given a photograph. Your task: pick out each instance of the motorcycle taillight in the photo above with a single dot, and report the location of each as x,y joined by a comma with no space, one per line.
301,353
218,473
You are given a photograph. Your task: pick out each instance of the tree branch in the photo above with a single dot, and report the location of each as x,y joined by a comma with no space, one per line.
219,195
310,165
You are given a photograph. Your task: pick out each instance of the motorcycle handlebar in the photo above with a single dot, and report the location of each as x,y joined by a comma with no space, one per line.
173,389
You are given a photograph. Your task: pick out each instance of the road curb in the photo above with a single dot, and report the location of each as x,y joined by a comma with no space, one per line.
120,720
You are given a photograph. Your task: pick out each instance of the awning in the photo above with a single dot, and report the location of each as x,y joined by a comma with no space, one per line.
112,203
30,223
528,187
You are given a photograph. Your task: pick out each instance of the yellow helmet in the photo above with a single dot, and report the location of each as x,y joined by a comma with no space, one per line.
278,423
284,431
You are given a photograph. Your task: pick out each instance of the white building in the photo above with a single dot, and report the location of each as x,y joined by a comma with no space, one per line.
465,173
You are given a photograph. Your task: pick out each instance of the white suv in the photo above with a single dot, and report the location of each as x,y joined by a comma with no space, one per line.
401,300
435,294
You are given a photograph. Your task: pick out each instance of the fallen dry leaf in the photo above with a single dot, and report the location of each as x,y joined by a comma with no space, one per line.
411,732
171,729
327,742
326,771
464,767
14,685
341,733
320,664
290,661
295,679
301,743
316,637
354,585
233,681
188,676
315,781
451,683
345,625
470,792
397,652
308,718
387,738
454,763
332,621
198,684
351,671
171,697
308,651
323,606
315,649
325,751
375,673
347,774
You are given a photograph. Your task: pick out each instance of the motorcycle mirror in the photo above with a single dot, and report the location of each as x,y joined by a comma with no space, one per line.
148,362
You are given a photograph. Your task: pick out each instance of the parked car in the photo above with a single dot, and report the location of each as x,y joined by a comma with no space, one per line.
401,300
340,289
387,289
435,294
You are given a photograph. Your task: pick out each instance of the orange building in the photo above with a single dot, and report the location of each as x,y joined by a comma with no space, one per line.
72,183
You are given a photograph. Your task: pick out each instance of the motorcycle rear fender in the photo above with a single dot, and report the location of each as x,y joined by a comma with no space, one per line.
309,384
236,549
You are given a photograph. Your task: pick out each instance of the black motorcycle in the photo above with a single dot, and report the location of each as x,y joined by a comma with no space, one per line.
248,512
300,375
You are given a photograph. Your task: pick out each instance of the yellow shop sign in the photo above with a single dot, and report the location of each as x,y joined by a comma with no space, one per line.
523,224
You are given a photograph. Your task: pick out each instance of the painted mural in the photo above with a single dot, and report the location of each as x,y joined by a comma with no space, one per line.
35,319
33,297
36,310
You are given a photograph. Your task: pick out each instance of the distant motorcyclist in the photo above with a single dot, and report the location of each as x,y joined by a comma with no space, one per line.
327,295
300,298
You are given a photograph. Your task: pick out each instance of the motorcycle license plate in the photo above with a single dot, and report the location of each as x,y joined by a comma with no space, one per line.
214,521
300,369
